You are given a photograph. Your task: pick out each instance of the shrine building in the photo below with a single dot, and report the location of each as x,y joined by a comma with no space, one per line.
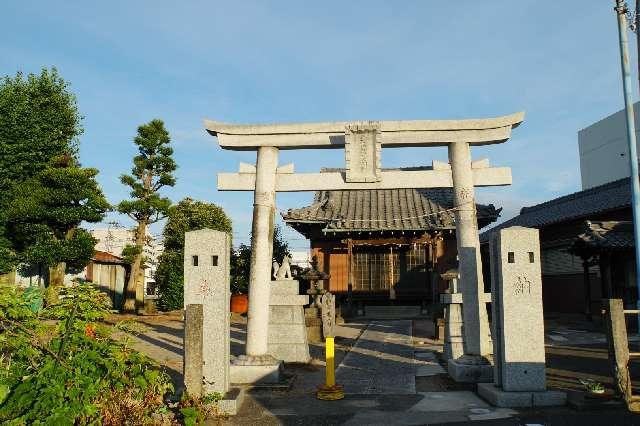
391,245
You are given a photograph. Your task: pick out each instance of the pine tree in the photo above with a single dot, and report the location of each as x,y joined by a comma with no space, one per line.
152,169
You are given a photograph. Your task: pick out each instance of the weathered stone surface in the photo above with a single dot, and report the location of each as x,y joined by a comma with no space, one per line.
264,206
206,282
192,359
362,152
246,374
298,182
517,311
284,287
469,373
496,396
289,299
287,333
476,324
500,398
231,402
331,135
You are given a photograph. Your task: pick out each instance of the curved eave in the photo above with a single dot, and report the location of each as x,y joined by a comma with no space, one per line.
393,133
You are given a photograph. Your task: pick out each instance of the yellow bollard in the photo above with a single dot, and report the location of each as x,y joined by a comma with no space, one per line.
330,391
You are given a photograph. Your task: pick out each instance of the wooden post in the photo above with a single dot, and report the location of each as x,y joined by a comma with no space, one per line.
618,346
587,289
192,363
392,290
605,272
350,276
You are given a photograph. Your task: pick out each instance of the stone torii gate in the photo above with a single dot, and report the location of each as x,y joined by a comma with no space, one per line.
362,142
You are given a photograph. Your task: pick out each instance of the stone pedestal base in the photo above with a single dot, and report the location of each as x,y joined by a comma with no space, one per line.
470,370
247,369
287,332
500,398
313,322
231,402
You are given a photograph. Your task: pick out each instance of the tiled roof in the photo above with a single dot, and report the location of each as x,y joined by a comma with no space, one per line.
106,257
382,210
611,196
610,235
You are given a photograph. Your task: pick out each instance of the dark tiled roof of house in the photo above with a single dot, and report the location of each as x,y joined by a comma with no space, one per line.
606,235
611,196
385,210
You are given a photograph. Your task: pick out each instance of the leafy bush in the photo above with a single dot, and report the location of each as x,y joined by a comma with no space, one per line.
169,277
60,366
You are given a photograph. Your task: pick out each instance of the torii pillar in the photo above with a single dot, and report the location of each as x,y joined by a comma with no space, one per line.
475,364
264,210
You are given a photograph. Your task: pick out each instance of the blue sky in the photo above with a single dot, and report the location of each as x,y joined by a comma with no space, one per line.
287,61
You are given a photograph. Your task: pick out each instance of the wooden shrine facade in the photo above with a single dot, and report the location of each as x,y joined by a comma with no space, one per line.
384,246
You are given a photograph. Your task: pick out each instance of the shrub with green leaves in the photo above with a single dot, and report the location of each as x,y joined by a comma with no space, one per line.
61,366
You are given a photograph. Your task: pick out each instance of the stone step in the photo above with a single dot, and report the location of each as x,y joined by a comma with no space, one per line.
392,312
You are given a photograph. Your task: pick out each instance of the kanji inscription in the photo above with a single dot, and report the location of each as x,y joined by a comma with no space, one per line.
522,285
362,152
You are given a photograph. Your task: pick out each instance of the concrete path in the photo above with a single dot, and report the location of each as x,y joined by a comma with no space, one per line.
381,361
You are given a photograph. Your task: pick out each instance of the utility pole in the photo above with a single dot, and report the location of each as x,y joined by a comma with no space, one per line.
621,11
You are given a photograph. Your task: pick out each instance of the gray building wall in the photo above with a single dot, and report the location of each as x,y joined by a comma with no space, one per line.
603,150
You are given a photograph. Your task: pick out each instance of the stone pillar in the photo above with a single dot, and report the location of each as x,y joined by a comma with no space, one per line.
476,329
192,361
261,252
206,283
453,326
518,323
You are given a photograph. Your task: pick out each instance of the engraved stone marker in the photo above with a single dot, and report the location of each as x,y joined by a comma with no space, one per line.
362,152
518,323
517,309
206,282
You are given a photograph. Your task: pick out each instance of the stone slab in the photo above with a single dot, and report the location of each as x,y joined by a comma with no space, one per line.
285,287
289,299
290,352
249,374
501,398
467,373
231,402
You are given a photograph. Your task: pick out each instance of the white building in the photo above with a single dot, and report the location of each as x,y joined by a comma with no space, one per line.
604,151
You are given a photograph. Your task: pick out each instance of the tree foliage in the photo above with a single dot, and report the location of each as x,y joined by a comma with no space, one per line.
153,169
39,120
46,211
187,215
241,261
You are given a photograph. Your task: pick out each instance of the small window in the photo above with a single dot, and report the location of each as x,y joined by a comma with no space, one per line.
194,260
511,258
214,260
531,257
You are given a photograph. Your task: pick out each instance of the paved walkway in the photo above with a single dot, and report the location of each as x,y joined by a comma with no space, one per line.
391,376
382,361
